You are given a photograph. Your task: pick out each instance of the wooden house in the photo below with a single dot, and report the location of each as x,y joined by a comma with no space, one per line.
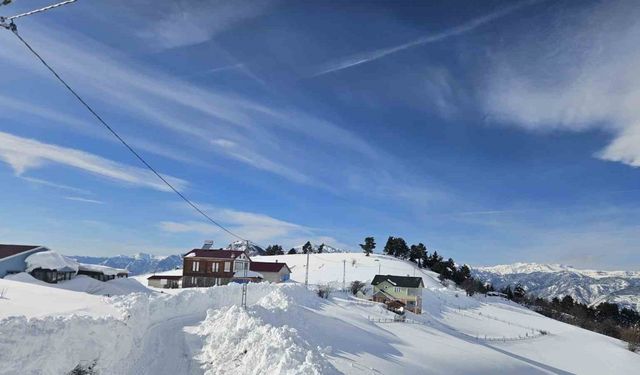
209,267
399,290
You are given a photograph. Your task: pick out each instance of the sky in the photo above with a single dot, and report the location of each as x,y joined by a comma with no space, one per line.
493,132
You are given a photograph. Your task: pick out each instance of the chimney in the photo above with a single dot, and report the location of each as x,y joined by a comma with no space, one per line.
207,245
276,261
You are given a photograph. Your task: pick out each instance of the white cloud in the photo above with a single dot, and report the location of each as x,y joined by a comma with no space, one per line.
181,23
578,76
24,154
433,38
253,226
260,228
195,114
39,181
84,200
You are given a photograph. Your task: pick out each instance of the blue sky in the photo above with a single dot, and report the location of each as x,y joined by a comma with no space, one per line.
492,131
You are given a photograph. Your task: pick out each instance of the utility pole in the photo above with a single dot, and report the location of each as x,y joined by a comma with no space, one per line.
306,274
245,282
344,270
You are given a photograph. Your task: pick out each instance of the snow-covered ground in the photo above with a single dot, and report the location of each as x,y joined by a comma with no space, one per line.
286,329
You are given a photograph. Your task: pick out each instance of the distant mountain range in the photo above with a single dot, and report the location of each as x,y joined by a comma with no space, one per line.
555,280
137,264
143,263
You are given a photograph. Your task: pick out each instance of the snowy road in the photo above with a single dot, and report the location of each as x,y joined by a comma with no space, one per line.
168,349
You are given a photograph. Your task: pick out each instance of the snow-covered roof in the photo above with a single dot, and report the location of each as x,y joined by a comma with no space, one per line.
50,260
110,271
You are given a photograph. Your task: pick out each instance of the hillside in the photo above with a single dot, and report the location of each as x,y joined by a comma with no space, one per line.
287,329
585,286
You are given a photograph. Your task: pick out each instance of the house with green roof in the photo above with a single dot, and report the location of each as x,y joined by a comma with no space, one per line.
404,290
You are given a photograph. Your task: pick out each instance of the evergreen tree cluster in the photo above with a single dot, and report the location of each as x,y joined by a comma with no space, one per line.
274,250
606,318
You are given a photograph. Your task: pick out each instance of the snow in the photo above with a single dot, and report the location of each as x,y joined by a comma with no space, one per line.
50,260
549,281
287,329
30,300
110,271
86,284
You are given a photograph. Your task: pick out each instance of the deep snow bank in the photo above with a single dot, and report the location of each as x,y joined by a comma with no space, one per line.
241,342
55,345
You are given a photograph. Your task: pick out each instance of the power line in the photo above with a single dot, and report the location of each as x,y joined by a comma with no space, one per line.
44,9
14,29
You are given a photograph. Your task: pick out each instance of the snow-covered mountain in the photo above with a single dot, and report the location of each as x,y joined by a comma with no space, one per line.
316,249
137,264
555,280
253,249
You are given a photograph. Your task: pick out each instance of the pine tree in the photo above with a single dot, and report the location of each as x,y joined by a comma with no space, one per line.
321,248
269,250
307,248
292,251
368,246
273,250
416,253
389,246
519,293
400,248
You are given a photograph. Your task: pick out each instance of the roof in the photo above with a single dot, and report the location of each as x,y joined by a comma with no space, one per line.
401,281
10,250
218,254
166,277
101,269
50,260
267,267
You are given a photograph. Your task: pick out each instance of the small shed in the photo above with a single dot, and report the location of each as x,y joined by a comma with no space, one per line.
165,281
51,267
100,272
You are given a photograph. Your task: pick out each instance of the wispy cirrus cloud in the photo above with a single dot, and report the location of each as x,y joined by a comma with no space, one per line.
257,227
84,200
260,228
182,23
580,75
433,38
55,185
24,154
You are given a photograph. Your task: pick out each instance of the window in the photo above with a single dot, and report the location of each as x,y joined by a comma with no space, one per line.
215,267
397,289
227,266
195,266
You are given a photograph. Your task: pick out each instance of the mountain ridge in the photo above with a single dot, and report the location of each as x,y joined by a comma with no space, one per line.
590,287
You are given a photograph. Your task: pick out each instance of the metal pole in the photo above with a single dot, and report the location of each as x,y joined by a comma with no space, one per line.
245,265
344,268
306,275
